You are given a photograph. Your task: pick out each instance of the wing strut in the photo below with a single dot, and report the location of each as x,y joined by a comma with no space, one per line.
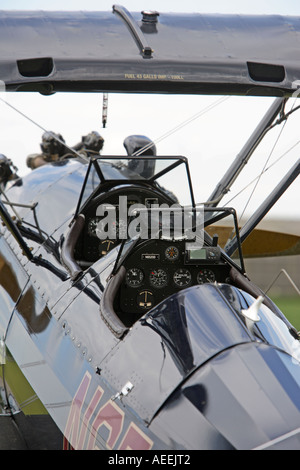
264,208
244,156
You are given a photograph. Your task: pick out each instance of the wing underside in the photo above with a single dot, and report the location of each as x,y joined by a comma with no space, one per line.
175,53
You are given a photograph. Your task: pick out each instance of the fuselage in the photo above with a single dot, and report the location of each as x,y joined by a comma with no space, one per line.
186,372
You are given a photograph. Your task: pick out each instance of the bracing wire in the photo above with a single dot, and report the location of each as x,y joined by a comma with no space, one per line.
43,129
181,125
264,171
196,116
146,147
265,168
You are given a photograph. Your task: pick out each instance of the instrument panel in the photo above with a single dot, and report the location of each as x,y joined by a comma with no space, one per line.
159,268
90,247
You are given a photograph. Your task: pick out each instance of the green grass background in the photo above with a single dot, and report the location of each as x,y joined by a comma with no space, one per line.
290,307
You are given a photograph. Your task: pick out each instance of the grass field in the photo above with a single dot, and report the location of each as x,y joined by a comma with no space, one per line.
290,306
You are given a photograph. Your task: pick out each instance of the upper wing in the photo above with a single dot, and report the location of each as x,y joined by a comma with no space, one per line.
176,53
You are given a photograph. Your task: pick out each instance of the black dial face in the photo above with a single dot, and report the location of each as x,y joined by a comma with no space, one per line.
134,277
172,253
93,226
145,299
158,278
105,246
182,277
205,275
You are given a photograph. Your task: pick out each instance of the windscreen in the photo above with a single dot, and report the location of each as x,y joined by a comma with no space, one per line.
168,174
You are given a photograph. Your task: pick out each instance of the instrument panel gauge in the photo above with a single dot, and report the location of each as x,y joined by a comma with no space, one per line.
93,226
158,278
105,246
205,275
182,277
116,229
172,253
120,228
145,299
134,277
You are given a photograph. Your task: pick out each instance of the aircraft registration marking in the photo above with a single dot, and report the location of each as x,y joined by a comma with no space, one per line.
83,426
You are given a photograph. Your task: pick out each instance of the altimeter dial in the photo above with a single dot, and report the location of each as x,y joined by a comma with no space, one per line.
182,277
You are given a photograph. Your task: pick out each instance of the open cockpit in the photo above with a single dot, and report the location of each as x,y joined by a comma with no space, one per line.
161,241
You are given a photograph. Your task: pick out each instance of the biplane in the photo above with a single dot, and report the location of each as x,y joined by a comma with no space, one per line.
127,318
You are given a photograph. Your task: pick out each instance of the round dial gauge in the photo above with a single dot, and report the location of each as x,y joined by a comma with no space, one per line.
172,253
117,229
93,226
145,299
182,277
105,246
158,278
205,275
134,277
